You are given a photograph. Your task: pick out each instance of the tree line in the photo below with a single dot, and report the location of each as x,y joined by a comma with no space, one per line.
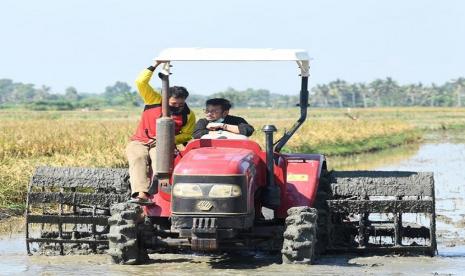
17,94
388,92
339,93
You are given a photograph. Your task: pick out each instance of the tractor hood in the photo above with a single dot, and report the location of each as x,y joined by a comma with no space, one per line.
215,161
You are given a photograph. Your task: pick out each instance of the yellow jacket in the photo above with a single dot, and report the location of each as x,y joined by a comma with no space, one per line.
150,97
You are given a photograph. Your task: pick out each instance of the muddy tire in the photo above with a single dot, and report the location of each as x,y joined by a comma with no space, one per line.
300,235
321,204
124,245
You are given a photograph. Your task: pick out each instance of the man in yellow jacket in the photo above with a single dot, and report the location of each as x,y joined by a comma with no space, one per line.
141,149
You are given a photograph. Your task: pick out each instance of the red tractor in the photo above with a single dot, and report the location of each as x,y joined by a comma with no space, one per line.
230,194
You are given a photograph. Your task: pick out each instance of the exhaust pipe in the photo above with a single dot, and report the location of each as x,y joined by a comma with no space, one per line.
271,194
165,135
165,146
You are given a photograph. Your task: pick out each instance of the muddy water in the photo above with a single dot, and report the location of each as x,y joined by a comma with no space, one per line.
442,153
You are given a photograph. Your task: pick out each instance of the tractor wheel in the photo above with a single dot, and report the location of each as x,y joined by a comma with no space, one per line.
124,245
300,235
321,204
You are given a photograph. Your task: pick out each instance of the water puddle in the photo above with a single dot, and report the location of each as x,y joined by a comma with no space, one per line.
446,160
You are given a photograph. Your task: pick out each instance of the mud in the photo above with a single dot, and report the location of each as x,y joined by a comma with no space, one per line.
460,223
298,245
382,183
11,225
101,199
380,206
13,261
73,204
103,178
9,213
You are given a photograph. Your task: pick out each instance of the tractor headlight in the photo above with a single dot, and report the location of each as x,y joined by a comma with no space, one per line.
224,191
187,190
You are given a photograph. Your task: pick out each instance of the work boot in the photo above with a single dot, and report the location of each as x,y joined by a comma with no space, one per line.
141,201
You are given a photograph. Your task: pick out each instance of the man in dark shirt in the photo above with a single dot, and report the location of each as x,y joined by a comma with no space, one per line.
217,118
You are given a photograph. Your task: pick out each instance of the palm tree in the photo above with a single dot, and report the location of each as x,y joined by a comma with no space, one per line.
363,91
391,91
337,88
411,92
459,88
321,92
375,88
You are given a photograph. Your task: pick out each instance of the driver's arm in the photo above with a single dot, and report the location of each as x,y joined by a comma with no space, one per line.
240,127
231,128
148,94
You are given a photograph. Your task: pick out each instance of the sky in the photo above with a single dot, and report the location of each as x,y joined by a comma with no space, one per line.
92,44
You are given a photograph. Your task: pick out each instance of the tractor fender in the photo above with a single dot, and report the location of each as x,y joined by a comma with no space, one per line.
302,177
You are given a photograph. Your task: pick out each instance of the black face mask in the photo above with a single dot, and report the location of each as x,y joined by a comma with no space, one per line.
175,110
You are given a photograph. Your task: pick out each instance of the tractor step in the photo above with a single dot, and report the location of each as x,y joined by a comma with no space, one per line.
72,206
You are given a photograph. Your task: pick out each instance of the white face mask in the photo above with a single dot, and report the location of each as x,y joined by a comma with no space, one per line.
220,120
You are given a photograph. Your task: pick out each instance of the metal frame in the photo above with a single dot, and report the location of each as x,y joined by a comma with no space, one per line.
245,54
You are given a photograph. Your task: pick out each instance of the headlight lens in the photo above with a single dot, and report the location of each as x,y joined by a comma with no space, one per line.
187,190
224,191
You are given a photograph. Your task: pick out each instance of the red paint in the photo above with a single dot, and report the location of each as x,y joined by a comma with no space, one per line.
215,161
230,157
161,208
302,192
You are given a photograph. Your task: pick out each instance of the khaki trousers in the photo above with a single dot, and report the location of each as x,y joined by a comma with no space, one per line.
139,155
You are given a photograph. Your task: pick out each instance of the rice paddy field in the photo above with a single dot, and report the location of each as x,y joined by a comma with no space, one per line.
98,138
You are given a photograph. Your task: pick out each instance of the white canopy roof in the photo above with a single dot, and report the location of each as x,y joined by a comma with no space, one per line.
232,54
237,54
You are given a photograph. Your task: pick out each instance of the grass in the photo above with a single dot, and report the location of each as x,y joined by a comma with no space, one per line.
364,145
98,138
